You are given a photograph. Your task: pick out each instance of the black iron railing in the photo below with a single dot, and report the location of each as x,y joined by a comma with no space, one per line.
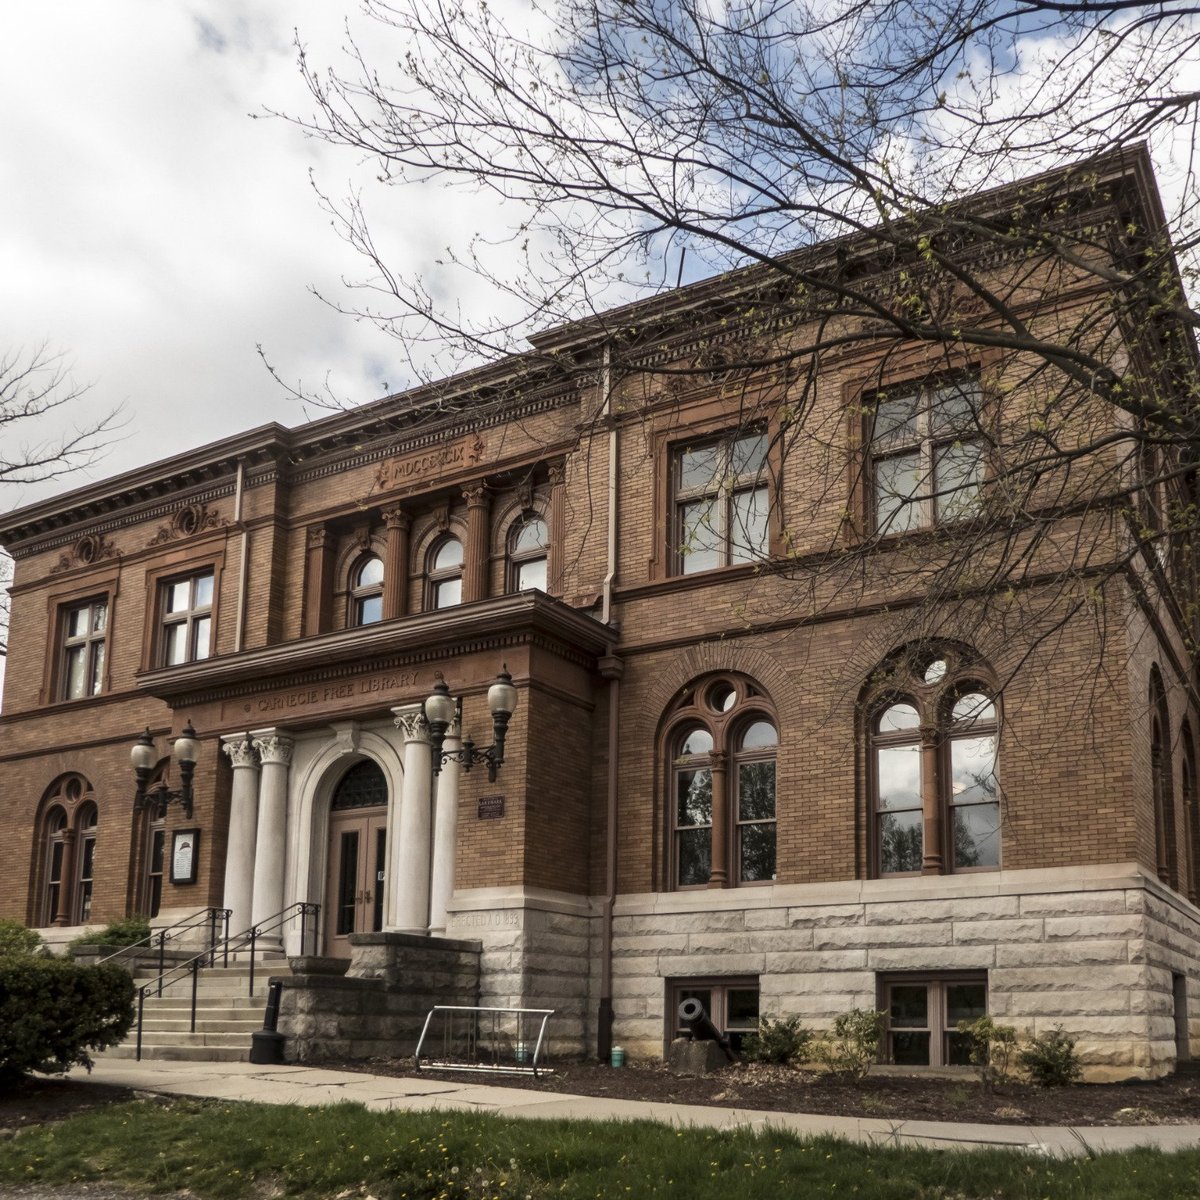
215,921
245,942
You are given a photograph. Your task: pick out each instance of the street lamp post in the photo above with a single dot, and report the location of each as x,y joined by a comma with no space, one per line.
441,709
143,757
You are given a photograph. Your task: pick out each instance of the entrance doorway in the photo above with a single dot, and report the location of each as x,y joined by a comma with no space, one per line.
357,858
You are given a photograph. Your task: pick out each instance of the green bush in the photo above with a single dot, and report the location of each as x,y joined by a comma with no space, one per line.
782,1041
854,1044
16,939
991,1048
115,935
53,1011
1050,1059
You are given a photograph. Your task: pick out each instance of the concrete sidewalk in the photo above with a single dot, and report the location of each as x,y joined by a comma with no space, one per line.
291,1084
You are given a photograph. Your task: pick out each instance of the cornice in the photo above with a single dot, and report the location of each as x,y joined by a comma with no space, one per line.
525,618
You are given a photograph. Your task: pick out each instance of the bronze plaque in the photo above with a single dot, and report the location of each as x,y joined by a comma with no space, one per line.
491,807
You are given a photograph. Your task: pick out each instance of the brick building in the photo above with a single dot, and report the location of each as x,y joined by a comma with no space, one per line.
751,757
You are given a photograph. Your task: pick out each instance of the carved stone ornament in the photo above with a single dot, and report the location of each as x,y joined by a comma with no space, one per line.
189,520
414,726
241,752
318,537
274,748
397,518
91,548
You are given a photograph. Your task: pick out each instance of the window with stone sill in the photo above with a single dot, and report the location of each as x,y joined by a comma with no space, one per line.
528,553
83,640
926,455
922,1013
731,1004
185,607
933,790
366,590
722,744
720,501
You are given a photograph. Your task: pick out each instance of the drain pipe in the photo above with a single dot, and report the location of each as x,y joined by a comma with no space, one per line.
244,561
611,668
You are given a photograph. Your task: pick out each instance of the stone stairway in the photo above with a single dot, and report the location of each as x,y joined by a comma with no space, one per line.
227,1013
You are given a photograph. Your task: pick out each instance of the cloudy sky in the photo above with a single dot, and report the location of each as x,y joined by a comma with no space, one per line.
156,233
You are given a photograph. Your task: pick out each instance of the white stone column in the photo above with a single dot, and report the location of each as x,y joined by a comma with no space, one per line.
243,828
445,835
411,887
275,752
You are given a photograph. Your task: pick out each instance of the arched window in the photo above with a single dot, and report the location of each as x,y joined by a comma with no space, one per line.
528,553
444,574
67,847
1160,782
1191,810
721,744
934,797
366,591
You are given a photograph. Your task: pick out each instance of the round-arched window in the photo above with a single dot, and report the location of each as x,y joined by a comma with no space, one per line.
528,553
445,573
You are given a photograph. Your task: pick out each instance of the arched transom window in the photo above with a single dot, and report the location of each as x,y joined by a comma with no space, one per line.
528,553
70,825
445,574
721,744
366,590
934,795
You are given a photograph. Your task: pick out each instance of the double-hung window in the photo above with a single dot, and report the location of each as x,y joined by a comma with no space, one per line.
927,455
187,618
85,628
721,501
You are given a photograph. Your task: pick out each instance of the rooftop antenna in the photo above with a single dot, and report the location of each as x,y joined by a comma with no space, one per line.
682,256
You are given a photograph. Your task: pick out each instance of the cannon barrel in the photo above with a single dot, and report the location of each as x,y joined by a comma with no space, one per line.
696,1021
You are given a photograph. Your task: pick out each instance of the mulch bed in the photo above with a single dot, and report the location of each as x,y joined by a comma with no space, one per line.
36,1100
1171,1101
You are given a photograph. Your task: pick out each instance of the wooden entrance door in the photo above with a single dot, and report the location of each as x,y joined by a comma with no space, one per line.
354,887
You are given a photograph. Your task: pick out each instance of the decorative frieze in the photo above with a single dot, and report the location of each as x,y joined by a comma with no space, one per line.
91,548
186,522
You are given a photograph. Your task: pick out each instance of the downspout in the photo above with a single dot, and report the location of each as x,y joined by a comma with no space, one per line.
611,668
244,560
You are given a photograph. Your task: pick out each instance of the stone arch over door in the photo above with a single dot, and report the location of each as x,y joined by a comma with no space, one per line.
314,792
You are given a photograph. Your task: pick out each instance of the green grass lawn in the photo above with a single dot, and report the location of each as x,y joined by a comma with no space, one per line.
223,1149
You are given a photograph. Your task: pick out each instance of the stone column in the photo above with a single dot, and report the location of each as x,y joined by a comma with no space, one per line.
445,835
275,751
557,529
318,585
477,552
395,564
243,828
411,887
66,881
931,803
719,877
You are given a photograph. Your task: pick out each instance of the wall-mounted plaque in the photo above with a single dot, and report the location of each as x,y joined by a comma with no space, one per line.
491,807
184,856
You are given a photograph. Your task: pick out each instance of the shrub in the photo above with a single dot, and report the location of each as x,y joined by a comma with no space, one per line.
115,934
854,1045
1050,1059
782,1041
16,939
991,1049
53,1011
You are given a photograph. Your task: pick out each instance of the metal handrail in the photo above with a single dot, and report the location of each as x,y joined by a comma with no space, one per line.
206,916
248,938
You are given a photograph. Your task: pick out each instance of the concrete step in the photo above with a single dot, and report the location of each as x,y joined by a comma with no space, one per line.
151,1038
210,991
173,1025
206,1010
180,1053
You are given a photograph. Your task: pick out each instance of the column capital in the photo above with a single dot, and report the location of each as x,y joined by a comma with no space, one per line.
240,749
318,537
410,720
476,494
273,746
557,473
397,517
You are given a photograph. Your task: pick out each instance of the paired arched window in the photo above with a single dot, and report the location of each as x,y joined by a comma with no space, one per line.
68,847
934,796
528,553
721,743
444,571
366,590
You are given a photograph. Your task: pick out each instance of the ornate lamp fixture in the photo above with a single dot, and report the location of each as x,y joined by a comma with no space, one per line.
144,756
441,709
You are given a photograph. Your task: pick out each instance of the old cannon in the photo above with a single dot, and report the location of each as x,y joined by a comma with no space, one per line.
700,1028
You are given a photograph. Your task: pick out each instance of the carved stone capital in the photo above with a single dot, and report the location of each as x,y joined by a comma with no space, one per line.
397,518
557,473
476,494
274,748
318,537
413,726
240,749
